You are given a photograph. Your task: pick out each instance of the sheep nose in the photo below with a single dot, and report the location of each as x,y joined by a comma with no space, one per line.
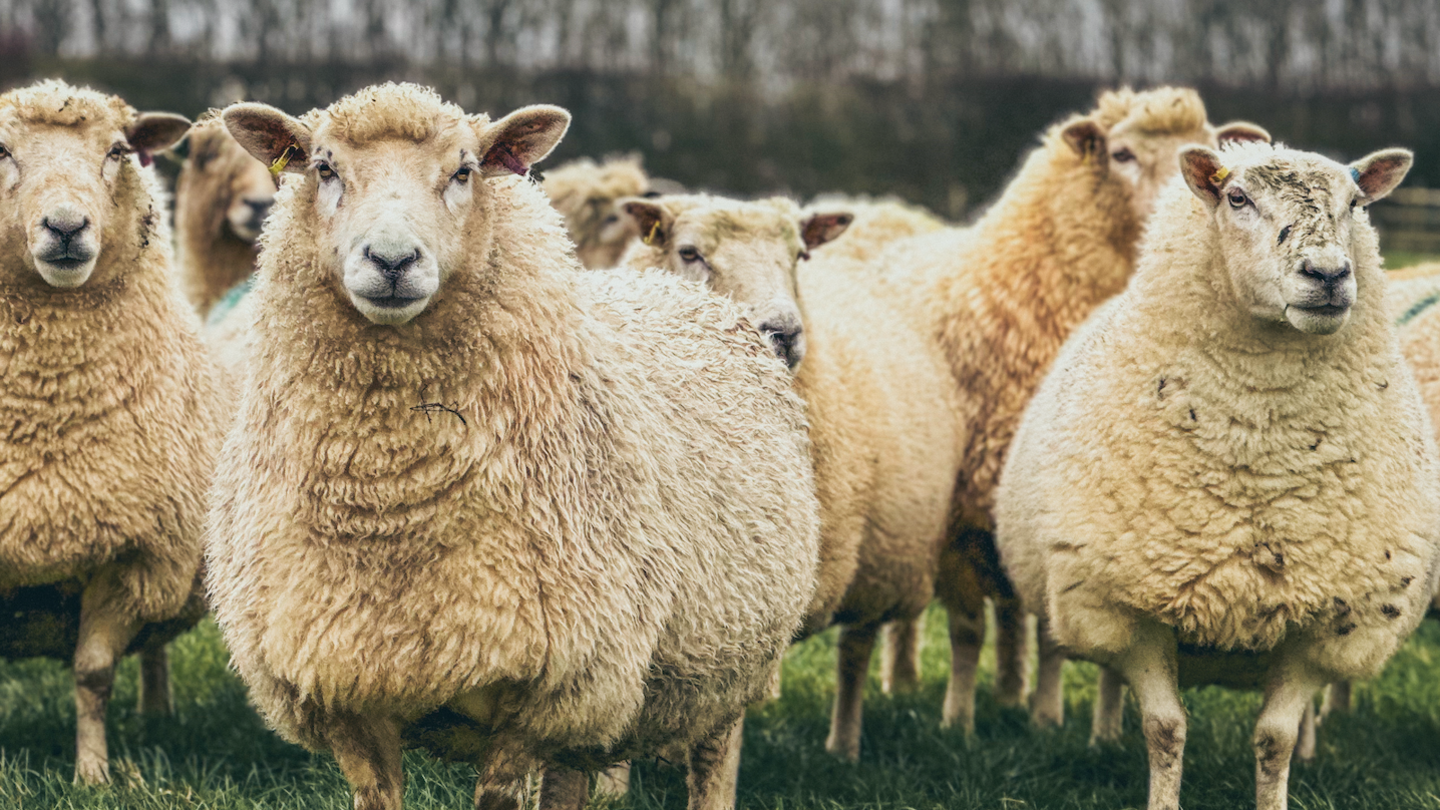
393,262
786,338
66,225
1326,275
259,208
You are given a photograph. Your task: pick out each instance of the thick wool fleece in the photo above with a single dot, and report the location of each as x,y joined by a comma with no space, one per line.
1245,493
109,416
884,466
586,193
211,258
560,515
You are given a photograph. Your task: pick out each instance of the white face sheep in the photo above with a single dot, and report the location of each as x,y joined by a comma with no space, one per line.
1282,527
746,251
480,501
109,418
589,195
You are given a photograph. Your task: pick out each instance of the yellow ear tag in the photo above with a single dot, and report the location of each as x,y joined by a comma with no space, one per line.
1219,176
281,162
654,232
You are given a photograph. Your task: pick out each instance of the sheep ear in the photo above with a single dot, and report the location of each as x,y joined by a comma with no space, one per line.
154,132
654,219
1086,137
522,139
1203,173
1378,173
821,228
272,137
1242,131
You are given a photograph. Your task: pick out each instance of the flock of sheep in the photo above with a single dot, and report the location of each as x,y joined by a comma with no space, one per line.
545,477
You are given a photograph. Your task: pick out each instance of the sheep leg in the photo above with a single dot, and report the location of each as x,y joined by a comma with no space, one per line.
1288,689
900,655
105,631
1011,652
499,796
564,789
853,665
1149,666
155,697
368,752
715,768
1109,720
1047,702
966,637
614,781
1305,746
1337,699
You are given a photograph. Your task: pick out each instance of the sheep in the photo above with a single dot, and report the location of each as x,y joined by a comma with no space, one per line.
1229,476
588,194
479,501
221,198
1000,298
107,398
876,223
1410,291
884,468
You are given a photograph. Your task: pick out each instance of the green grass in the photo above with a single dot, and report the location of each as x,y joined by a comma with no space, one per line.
215,753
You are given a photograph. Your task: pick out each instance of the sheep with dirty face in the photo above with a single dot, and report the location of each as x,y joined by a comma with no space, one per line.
221,198
107,399
480,501
884,465
1001,297
1229,476
589,195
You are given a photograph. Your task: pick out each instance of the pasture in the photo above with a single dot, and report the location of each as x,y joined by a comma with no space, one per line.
216,754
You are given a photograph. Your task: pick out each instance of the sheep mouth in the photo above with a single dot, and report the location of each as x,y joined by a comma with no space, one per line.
392,301
1325,310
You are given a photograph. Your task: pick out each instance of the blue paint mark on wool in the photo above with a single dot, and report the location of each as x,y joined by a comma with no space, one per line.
229,301
1355,174
1418,307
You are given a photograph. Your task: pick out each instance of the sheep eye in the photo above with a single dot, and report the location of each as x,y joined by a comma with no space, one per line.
1353,201
4,153
324,170
611,220
1123,156
117,151
1237,199
689,254
462,174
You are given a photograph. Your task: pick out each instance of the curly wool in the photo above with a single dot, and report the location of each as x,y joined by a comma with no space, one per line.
580,500
109,404
1290,492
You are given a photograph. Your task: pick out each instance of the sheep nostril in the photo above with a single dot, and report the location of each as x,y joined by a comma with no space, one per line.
66,228
1327,275
785,340
393,265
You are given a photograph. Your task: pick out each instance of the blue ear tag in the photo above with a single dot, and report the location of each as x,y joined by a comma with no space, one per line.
1355,174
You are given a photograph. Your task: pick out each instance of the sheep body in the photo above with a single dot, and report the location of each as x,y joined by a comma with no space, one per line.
586,192
1265,499
562,517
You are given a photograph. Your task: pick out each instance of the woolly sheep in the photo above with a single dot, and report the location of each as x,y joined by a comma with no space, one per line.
588,194
484,503
1228,476
107,399
884,467
221,198
1002,297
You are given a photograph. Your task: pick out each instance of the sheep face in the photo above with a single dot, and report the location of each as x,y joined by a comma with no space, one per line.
237,188
589,195
745,250
1286,223
398,202
1134,139
65,156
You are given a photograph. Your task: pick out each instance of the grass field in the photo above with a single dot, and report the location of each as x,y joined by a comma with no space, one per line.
215,753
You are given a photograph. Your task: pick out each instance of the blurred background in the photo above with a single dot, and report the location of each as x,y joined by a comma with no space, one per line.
931,100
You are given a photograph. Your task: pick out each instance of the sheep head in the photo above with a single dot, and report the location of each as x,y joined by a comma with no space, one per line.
398,184
67,155
1134,138
748,251
1286,223
234,189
